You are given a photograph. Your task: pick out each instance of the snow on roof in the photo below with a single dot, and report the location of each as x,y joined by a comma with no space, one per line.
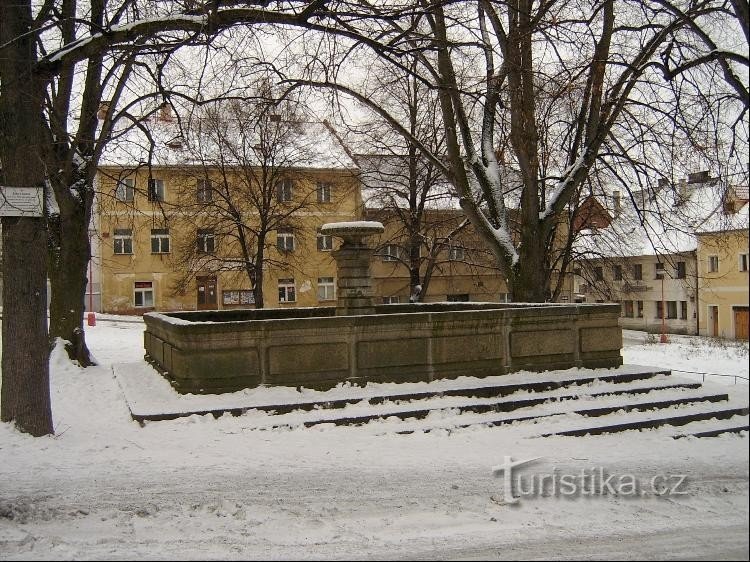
666,222
311,145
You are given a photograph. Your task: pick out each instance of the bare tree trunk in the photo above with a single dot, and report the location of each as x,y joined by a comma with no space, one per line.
25,390
25,397
69,256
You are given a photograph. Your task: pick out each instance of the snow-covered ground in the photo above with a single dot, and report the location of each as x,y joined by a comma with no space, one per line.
202,488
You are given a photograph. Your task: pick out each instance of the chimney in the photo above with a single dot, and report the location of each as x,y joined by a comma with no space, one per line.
617,202
103,109
165,112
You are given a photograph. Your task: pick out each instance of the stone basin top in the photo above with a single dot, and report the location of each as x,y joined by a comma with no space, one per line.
352,230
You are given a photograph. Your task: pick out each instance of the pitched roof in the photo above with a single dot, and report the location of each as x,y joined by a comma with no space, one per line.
311,145
666,222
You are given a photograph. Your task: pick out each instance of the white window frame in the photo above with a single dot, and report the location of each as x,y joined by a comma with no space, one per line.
203,236
155,189
324,192
122,238
393,299
456,253
326,288
287,290
391,252
742,262
285,240
162,238
713,264
204,190
144,293
125,190
284,191
324,242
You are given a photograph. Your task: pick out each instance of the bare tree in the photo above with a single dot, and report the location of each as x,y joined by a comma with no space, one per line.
59,61
251,186
560,92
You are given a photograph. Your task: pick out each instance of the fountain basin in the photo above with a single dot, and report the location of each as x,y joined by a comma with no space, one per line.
223,351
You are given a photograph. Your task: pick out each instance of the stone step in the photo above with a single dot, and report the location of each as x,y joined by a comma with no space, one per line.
539,383
528,408
674,418
513,405
736,424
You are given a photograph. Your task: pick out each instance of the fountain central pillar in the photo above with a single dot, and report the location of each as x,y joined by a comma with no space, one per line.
354,281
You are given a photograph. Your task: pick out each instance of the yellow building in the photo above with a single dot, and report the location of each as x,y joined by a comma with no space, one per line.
171,235
454,265
723,273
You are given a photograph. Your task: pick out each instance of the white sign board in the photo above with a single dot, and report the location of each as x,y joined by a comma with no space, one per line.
20,201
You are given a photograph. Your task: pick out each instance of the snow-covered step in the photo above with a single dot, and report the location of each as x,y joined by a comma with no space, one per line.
497,412
151,399
713,428
674,417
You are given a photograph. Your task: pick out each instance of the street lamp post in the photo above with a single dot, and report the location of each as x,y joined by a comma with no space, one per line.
91,316
663,337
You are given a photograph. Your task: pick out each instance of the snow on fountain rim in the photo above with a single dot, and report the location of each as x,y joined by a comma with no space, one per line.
352,228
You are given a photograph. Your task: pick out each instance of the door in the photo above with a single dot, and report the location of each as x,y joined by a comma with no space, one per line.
741,322
713,321
207,299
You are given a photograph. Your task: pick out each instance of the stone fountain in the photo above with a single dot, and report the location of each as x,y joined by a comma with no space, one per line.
360,342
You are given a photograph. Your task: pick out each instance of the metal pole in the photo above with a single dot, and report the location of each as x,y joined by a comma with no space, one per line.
91,316
663,338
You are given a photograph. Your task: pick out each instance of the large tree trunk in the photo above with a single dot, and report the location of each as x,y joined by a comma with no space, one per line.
25,389
69,254
25,396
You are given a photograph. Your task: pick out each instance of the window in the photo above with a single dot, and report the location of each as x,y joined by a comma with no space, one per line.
286,290
456,253
204,190
638,271
659,271
459,297
241,296
617,273
392,300
285,240
671,309
159,240
284,191
505,297
324,193
713,264
390,252
680,270
144,294
123,241
326,289
125,190
640,308
598,274
742,262
155,190
325,242
628,309
683,310
206,241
